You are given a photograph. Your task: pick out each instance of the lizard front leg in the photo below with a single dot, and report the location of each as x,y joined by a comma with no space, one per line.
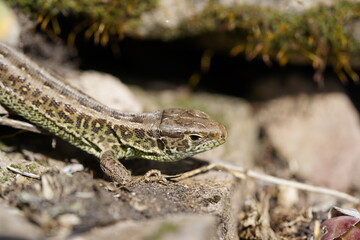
113,168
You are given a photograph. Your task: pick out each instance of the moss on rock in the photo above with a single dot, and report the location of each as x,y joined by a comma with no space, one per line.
318,36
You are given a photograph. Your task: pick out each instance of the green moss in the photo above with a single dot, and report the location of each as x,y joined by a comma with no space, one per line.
163,230
5,176
15,166
104,10
29,168
319,36
99,19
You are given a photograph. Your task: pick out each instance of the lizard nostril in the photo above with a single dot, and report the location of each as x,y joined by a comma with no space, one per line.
223,132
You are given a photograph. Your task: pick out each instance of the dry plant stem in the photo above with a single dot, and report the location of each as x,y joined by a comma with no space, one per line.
20,125
317,230
30,175
3,111
241,173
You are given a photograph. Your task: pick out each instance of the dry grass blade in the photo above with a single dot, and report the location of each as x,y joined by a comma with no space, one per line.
240,172
20,125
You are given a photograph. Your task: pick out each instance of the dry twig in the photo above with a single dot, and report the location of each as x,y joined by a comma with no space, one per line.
26,174
241,173
20,125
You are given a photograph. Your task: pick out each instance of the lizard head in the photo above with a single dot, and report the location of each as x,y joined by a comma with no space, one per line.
184,133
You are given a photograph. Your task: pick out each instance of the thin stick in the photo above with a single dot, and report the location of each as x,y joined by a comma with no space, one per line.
30,175
241,173
303,186
20,125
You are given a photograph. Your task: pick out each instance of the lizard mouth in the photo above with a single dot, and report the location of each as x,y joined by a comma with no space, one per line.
176,156
210,145
201,148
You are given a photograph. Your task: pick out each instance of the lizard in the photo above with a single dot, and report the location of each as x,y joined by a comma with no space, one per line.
54,106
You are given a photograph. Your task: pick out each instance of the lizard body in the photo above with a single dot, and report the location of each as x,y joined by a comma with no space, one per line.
47,102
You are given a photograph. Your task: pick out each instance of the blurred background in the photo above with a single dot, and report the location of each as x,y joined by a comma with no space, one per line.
283,76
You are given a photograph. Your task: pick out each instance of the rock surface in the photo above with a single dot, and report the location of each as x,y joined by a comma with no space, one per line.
175,227
9,26
14,225
61,204
107,89
319,135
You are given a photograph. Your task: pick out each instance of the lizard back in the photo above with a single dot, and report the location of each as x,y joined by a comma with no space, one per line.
47,102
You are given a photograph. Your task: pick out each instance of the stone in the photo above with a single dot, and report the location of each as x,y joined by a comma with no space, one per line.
87,203
107,89
9,26
319,135
176,227
10,221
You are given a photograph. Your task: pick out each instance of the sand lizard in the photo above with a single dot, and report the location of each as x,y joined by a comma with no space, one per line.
47,102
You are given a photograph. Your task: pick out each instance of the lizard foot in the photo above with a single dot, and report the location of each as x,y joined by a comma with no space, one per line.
113,168
155,175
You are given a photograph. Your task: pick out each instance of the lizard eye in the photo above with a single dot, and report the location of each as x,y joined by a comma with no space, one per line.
195,137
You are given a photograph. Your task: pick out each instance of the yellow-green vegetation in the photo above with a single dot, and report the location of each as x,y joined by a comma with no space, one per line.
5,176
319,36
99,19
28,168
164,229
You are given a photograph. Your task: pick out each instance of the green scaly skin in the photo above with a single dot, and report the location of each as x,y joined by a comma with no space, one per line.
45,101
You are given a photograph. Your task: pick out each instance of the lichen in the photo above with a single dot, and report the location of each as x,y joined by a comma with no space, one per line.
28,168
31,168
5,176
17,166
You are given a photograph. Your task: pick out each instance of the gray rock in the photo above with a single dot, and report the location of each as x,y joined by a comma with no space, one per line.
13,225
174,227
107,89
319,135
9,26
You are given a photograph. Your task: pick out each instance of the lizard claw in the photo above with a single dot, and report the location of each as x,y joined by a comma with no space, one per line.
155,175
